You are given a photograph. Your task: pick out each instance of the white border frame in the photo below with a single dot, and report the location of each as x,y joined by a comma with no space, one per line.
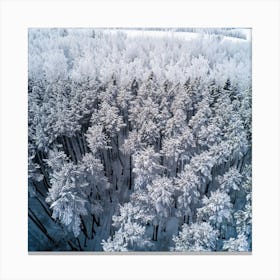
17,16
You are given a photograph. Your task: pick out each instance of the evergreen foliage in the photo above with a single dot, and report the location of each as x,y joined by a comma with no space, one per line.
139,143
